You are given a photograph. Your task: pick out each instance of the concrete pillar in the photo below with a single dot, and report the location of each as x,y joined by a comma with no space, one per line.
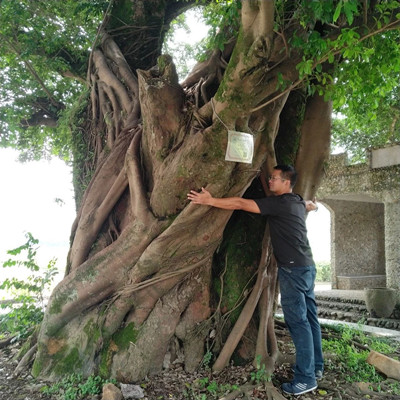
392,246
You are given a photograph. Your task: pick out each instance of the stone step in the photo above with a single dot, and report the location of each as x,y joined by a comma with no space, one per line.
352,310
359,314
342,306
342,315
339,299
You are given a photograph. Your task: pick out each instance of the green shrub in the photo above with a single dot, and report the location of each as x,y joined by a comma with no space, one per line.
206,389
28,294
324,273
75,387
350,359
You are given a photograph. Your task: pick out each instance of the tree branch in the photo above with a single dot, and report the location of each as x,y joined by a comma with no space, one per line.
39,119
330,53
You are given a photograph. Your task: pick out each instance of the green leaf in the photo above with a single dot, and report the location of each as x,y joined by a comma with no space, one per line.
337,11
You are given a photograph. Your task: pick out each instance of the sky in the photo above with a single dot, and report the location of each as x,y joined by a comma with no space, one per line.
28,204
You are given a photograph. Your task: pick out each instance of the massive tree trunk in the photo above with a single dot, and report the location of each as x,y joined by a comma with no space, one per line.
147,275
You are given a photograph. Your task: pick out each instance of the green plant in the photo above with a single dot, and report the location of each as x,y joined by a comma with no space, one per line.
204,389
260,375
351,358
324,273
75,387
207,359
28,293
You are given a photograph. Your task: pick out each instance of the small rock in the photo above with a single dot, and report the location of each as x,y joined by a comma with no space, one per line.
363,386
132,391
384,364
111,392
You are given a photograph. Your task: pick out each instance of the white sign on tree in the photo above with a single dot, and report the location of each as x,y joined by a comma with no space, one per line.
240,147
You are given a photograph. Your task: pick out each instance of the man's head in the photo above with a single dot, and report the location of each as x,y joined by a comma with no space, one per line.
282,179
287,172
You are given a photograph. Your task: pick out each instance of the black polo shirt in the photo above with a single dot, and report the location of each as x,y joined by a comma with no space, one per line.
287,223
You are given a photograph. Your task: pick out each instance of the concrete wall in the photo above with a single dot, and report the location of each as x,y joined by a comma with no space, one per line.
364,200
385,157
358,240
359,237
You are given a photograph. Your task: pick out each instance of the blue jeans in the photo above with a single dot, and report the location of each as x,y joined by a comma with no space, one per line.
300,313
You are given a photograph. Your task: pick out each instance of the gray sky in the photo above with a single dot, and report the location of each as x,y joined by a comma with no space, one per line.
27,204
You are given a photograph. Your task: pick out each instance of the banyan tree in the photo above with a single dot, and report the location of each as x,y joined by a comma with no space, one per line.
149,276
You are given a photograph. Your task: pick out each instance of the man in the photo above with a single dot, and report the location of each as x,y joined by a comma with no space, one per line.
286,213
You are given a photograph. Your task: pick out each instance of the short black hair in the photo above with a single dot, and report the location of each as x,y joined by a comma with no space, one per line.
287,172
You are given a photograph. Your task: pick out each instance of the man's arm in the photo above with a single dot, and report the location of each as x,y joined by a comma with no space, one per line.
227,203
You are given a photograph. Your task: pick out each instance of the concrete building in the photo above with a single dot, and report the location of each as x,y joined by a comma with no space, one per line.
364,201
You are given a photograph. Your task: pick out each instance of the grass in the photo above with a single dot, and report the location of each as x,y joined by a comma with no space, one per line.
349,349
75,387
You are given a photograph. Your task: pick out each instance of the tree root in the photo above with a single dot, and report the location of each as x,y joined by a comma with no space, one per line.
7,341
241,324
260,291
272,392
244,389
29,355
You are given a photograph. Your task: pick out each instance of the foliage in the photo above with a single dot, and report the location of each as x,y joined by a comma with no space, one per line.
28,293
350,360
75,387
205,389
223,18
44,45
368,117
362,82
38,58
207,359
260,375
324,273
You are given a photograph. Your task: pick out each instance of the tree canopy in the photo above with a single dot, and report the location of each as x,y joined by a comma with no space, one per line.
45,51
44,56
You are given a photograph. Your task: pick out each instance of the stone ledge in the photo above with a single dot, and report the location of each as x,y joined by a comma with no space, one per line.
350,282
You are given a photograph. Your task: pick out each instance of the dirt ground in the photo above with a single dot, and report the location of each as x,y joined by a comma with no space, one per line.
176,384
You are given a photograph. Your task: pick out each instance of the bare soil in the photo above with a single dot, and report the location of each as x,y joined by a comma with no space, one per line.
176,384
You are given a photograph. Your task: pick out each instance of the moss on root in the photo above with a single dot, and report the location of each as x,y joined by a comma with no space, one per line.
65,361
121,340
125,336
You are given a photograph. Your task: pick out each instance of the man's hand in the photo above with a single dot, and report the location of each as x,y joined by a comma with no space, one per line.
311,205
226,203
203,197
